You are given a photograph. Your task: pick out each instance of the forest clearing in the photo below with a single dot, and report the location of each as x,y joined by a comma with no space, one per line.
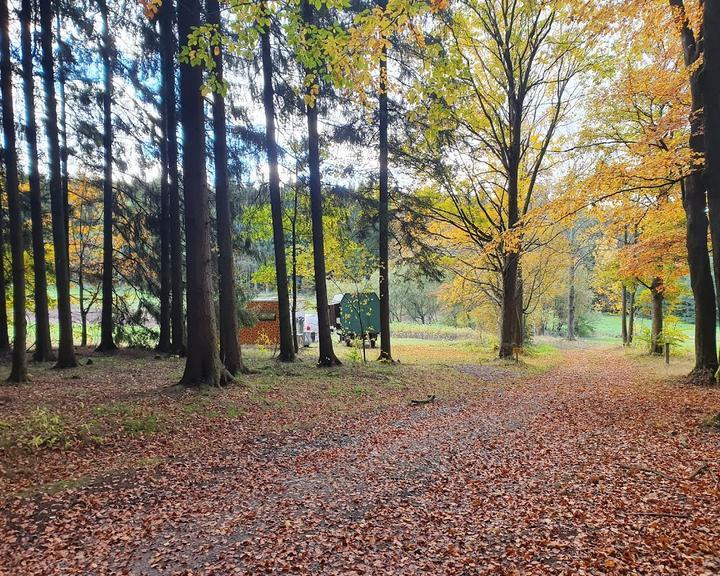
535,469
359,287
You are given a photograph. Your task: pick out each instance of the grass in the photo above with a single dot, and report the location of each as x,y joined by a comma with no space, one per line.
608,330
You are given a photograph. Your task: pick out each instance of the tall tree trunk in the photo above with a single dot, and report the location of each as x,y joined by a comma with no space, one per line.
168,52
383,210
4,337
18,372
107,344
81,301
66,351
202,366
165,277
327,354
631,316
657,290
694,202
229,348
61,77
294,266
624,311
571,304
509,330
287,348
711,90
43,346
510,333
624,300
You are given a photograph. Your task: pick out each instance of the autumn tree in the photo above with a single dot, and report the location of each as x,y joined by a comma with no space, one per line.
694,200
711,126
496,85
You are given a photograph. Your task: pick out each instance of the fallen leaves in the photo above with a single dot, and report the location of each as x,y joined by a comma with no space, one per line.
548,476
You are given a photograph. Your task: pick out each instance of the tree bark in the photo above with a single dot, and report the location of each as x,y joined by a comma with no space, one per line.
383,210
510,333
294,266
43,347
202,366
18,371
165,276
624,315
327,354
657,289
4,337
287,348
571,304
229,347
64,178
107,344
711,106
66,351
168,52
631,317
694,202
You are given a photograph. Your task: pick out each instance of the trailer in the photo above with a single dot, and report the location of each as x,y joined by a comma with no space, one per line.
356,316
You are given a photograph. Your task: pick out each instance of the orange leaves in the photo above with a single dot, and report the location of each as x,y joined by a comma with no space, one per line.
150,8
438,5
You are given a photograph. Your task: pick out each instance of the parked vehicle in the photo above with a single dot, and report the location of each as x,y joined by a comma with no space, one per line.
309,329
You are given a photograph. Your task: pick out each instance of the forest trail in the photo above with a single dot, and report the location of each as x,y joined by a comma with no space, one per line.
592,467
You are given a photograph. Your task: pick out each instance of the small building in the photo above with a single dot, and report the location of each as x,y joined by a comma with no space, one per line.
267,328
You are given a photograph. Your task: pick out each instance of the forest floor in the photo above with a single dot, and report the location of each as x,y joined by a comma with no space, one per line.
593,463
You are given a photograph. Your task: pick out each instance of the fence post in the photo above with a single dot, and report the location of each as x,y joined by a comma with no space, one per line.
667,352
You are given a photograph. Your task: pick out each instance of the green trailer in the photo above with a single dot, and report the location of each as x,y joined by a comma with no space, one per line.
356,316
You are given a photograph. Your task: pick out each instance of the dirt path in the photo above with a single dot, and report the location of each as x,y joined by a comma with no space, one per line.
583,470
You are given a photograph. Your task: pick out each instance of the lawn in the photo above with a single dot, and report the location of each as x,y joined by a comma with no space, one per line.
608,330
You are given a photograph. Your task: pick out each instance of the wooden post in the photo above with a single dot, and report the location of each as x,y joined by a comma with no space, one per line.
667,352
516,350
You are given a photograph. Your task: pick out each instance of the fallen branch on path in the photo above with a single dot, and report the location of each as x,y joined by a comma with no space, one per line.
699,470
662,515
636,468
429,400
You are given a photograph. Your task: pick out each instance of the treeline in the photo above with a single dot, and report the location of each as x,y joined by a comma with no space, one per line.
166,107
188,242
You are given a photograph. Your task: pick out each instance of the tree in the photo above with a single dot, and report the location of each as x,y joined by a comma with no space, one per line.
694,202
86,246
43,348
168,53
711,125
383,209
203,366
326,353
66,351
485,115
62,118
287,347
107,344
229,347
4,337
18,372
